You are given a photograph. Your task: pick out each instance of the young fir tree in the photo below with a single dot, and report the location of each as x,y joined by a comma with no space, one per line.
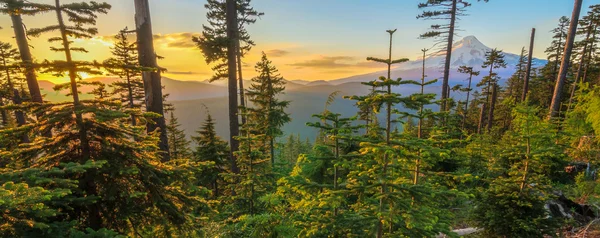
125,65
513,205
179,146
494,59
212,149
11,79
316,188
16,9
268,112
123,185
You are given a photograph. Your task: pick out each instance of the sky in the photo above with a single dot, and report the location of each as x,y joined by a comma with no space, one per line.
310,39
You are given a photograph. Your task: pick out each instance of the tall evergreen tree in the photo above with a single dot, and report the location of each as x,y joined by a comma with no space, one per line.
268,112
467,70
449,10
212,149
179,146
494,59
557,46
125,65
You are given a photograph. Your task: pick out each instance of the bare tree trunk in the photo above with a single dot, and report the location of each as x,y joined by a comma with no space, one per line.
32,83
234,125
448,61
241,80
528,70
481,119
152,79
492,107
564,67
467,103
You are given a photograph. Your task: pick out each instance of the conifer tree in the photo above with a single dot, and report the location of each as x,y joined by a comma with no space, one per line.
515,82
467,70
557,46
11,80
16,9
268,112
449,10
125,65
512,205
179,146
494,59
124,185
211,148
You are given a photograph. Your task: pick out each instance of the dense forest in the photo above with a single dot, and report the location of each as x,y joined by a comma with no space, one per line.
518,157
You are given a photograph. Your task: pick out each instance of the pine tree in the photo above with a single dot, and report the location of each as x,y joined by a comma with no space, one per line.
124,186
125,65
512,205
515,83
557,46
444,33
494,59
268,112
16,9
468,70
212,149
179,146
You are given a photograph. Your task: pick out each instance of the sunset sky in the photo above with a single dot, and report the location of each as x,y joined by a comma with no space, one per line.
312,39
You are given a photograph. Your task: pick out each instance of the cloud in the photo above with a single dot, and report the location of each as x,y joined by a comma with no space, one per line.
181,72
332,62
276,53
180,40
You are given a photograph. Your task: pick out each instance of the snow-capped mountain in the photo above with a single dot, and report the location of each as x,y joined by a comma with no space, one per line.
467,51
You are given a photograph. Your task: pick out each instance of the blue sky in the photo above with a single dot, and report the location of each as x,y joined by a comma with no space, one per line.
344,32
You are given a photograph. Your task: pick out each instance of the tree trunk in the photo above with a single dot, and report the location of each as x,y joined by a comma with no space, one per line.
448,61
528,70
241,79
32,83
87,183
467,103
234,125
492,107
131,103
564,67
481,117
152,79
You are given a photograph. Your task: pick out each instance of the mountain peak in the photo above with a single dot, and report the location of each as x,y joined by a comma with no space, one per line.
470,42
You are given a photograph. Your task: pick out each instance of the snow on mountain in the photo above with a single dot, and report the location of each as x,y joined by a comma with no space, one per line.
467,51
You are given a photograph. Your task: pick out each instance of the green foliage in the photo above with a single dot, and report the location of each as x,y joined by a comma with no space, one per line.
179,146
211,149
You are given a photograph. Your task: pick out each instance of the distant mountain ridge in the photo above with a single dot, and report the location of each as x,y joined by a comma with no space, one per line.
468,51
